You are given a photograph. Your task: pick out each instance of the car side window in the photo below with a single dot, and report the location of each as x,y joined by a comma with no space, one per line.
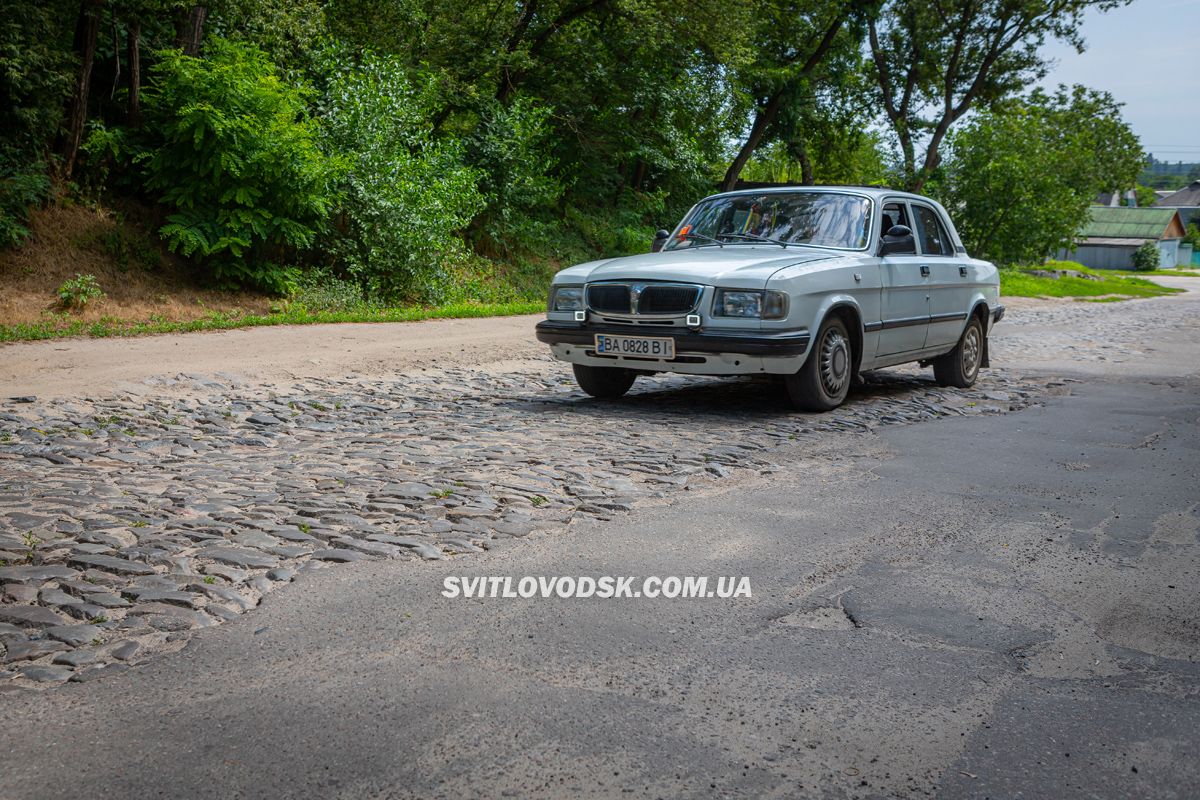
931,233
893,214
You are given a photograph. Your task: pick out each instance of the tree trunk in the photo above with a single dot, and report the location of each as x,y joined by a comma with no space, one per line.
806,168
762,120
189,30
133,114
86,31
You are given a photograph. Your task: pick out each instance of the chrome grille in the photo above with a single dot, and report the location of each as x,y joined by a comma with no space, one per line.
651,299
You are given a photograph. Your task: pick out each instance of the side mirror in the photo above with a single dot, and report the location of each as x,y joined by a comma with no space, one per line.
898,241
660,239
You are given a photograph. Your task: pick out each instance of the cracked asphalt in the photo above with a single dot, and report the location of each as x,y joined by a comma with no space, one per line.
993,603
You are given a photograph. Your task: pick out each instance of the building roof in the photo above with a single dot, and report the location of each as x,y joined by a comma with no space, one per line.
1187,196
1127,223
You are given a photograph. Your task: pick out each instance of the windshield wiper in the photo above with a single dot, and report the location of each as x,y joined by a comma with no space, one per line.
703,238
754,238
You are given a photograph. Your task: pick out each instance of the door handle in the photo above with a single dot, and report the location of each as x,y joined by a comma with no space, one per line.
924,271
962,272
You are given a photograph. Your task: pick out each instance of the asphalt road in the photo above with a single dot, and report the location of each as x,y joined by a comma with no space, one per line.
999,606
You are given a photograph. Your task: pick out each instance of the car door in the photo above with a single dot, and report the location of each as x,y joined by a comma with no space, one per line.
905,294
947,277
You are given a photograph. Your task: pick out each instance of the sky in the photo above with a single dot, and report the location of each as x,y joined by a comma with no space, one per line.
1147,56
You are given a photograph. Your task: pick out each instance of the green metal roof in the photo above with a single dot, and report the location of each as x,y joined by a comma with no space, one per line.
1128,223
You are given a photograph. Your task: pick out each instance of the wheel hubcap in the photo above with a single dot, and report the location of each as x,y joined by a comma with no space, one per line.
970,352
835,363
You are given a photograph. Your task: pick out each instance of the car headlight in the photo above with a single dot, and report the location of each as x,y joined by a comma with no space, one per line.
758,305
566,298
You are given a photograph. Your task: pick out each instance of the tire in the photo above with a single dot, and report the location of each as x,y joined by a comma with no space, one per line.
960,367
824,381
604,383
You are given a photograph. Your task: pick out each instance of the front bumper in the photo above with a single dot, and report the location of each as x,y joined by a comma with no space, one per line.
725,341
997,314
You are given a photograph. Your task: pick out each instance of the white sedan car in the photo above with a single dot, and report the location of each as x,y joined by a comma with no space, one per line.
814,284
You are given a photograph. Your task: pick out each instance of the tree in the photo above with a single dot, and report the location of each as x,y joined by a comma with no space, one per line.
86,30
1019,179
792,40
934,62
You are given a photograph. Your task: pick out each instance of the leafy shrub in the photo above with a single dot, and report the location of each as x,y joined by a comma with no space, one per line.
236,158
405,195
79,291
21,188
320,291
1146,257
511,149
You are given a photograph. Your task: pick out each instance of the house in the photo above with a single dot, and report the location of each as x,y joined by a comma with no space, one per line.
1114,233
1186,201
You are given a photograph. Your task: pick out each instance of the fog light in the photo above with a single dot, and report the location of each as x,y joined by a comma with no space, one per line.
693,320
581,316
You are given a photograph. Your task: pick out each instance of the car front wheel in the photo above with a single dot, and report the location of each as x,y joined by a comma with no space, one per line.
960,367
605,383
824,381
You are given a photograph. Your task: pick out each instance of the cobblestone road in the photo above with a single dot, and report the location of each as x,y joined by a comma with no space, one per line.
128,520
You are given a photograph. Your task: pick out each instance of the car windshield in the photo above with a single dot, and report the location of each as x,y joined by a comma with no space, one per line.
824,219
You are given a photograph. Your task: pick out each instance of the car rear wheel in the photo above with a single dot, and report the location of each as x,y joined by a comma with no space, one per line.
605,383
824,381
960,367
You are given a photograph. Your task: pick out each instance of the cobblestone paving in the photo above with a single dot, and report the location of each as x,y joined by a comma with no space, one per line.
127,521
1117,333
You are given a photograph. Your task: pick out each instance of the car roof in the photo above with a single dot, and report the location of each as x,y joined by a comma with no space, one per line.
874,192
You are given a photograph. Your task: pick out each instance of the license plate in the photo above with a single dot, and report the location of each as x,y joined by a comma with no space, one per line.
635,346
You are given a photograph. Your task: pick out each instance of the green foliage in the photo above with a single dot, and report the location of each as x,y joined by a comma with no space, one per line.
77,292
1146,258
36,69
511,149
1192,236
20,189
1145,196
233,153
318,291
405,194
1018,180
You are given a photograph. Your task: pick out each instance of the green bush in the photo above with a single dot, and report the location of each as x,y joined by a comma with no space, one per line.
319,291
237,161
21,188
405,195
79,291
1146,257
511,150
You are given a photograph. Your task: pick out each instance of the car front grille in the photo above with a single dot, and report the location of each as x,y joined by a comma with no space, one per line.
652,298
612,298
668,299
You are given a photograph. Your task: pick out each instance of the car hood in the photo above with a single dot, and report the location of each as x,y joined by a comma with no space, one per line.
734,266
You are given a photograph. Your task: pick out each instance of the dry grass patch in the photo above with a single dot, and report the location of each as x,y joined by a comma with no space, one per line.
139,279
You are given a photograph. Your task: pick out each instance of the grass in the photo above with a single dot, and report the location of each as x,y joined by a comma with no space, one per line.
62,326
1166,273
1110,287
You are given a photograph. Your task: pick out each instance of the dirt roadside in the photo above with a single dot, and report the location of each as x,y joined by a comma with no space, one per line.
71,367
